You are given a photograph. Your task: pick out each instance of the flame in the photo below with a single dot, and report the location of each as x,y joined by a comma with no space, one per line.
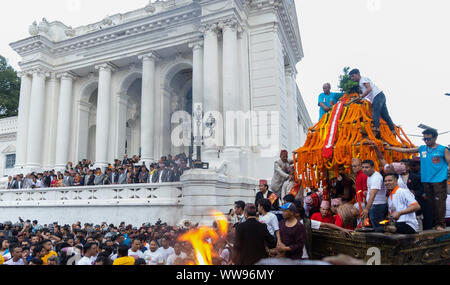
202,239
384,222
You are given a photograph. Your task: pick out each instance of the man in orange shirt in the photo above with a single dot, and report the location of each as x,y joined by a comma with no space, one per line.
123,258
47,245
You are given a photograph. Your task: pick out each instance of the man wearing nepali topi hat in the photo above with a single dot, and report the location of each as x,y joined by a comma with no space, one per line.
265,193
280,173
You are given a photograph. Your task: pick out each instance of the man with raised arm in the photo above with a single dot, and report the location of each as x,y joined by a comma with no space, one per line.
434,160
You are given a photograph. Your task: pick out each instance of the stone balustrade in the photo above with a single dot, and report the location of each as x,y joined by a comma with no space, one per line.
8,125
136,203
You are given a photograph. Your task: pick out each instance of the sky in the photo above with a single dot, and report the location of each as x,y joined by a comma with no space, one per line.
403,46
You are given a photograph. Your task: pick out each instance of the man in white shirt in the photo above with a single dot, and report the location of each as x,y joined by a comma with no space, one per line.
376,207
375,96
267,218
402,206
153,256
16,256
134,251
165,249
90,253
177,256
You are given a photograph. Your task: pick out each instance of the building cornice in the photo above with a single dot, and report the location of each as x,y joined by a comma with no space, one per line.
176,17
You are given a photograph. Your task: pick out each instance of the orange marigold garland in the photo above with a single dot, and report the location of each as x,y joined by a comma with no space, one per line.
353,130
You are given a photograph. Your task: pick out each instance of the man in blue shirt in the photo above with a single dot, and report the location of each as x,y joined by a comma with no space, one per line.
327,99
434,161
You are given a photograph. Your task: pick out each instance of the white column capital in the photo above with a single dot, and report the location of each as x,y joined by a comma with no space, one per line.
210,28
229,25
196,45
108,66
40,72
153,56
83,105
24,73
122,98
68,75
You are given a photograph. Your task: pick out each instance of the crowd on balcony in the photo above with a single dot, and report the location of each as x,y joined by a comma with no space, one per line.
126,171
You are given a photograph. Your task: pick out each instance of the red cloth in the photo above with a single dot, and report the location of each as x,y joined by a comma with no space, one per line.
318,217
360,184
339,223
316,200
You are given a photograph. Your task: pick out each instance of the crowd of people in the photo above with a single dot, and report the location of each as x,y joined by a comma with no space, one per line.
276,225
29,243
125,171
404,197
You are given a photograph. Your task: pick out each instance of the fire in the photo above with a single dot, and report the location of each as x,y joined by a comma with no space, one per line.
203,238
384,222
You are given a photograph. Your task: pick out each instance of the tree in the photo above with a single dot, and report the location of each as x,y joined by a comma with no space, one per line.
346,84
9,90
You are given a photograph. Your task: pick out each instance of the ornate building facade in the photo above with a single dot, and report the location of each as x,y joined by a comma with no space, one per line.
113,87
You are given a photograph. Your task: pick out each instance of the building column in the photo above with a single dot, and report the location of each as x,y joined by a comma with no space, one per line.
148,108
22,121
83,129
36,119
213,135
291,91
231,98
103,109
122,104
197,92
64,116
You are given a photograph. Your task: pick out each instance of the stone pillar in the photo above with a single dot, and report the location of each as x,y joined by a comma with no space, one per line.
64,116
36,119
291,91
52,91
103,109
83,129
22,121
122,104
197,90
211,94
231,97
148,108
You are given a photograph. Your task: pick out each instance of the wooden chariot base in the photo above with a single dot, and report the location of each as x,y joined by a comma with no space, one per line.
427,247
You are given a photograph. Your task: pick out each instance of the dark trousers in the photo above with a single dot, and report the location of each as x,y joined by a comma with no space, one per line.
380,110
404,228
426,209
437,194
377,213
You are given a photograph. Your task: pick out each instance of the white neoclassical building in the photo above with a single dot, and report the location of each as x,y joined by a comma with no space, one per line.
116,86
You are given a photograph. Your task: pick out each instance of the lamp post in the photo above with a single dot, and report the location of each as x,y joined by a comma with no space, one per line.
198,137
425,127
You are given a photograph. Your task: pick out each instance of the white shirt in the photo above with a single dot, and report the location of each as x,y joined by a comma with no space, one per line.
171,259
376,182
153,257
271,222
86,260
375,90
136,254
400,200
166,252
18,262
225,255
160,176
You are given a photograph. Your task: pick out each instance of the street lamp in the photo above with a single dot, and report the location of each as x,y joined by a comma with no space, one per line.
425,127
